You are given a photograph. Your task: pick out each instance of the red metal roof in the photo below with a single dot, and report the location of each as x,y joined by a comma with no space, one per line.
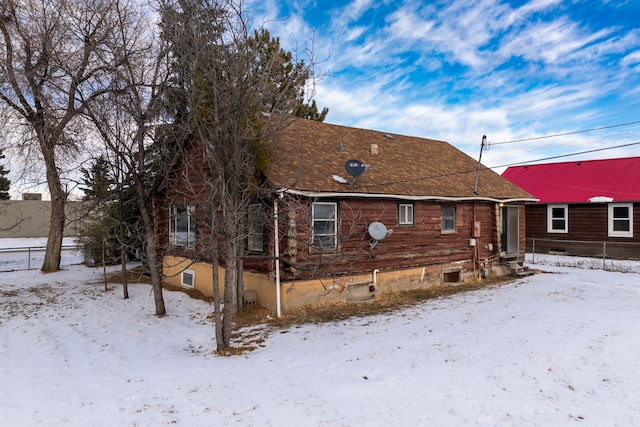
578,181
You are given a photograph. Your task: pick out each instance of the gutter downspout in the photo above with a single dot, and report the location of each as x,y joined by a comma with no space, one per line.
277,254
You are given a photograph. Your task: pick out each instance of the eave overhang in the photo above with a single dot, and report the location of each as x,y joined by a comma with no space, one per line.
335,195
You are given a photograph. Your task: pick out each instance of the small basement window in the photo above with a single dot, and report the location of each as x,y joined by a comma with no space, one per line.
452,276
188,278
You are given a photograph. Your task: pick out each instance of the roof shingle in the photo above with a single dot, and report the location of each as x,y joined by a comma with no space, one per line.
308,153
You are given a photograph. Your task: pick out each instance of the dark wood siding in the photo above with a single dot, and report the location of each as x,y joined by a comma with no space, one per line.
423,244
587,222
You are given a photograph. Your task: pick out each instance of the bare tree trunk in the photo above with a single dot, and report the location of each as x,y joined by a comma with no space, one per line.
239,256
216,284
123,262
231,271
53,254
154,262
123,250
104,264
240,283
151,248
123,246
230,296
156,276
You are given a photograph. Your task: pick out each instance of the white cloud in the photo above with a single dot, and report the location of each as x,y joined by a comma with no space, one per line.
350,12
631,59
460,69
550,42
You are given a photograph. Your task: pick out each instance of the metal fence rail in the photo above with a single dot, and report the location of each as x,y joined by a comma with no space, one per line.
605,251
25,258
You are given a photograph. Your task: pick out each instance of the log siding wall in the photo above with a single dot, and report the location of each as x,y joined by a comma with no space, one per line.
586,222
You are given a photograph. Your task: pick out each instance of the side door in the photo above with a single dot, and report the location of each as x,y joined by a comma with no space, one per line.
509,229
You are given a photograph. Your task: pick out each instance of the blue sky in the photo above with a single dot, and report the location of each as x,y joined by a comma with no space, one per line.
456,70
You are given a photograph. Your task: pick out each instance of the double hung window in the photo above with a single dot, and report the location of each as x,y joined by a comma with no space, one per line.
405,215
448,213
182,225
620,220
256,222
557,219
324,219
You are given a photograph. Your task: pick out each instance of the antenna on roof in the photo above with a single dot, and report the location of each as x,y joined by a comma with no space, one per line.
483,145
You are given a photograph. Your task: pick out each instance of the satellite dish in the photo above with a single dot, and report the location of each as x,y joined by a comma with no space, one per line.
355,167
377,230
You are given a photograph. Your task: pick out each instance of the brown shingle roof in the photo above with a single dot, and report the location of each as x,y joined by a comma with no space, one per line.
308,153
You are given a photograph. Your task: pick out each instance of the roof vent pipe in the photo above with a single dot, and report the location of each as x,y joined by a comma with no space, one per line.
374,148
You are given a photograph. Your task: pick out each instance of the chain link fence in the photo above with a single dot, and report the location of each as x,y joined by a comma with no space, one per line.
591,254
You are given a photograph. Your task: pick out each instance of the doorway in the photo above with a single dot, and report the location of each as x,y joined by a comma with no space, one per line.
509,226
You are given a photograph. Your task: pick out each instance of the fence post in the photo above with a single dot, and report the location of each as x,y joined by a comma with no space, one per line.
604,255
29,259
533,251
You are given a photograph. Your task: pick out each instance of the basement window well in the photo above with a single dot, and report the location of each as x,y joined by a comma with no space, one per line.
452,276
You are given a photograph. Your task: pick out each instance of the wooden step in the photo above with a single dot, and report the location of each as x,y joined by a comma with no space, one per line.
518,269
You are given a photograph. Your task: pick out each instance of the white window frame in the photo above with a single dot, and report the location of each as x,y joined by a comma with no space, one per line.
193,278
612,221
179,237
551,218
443,218
406,216
255,228
333,237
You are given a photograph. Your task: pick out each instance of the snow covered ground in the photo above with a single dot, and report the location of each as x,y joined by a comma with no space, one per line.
555,349
28,252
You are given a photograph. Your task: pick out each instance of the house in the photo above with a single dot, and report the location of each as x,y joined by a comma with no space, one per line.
581,202
356,213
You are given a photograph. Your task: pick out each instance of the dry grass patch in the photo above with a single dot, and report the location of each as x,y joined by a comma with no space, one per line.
139,275
382,304
134,275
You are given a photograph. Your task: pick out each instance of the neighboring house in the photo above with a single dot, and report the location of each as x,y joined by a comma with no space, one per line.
410,220
581,201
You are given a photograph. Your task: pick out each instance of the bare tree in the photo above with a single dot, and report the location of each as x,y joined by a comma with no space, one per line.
56,57
129,120
238,89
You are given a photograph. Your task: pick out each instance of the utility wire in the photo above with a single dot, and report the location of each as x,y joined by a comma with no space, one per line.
423,178
567,155
566,133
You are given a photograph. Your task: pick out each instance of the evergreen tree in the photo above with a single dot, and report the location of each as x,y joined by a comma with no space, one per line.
310,111
113,211
4,181
98,180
